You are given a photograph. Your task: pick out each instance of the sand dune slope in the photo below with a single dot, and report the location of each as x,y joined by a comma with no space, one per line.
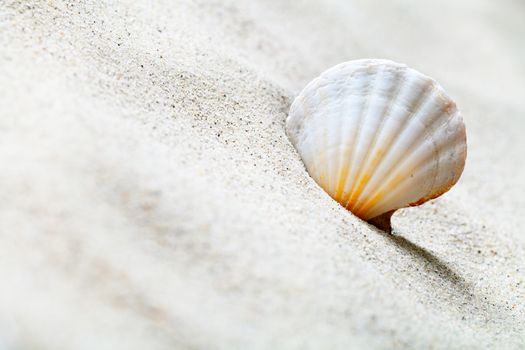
150,199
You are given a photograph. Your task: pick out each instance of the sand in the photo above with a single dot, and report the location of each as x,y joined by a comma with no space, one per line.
150,199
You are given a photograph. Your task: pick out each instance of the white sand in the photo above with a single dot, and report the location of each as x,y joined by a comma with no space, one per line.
149,198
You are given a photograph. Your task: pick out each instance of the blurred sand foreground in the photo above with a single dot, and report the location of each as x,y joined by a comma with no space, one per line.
150,199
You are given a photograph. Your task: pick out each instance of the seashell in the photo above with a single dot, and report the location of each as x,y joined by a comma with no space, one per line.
378,136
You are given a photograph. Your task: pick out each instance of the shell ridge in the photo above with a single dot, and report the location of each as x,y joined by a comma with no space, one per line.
433,131
455,116
423,96
338,160
357,138
332,120
325,166
372,179
344,92
351,127
428,130
321,95
341,164
374,91
368,164
355,133
380,206
402,186
362,140
317,103
415,147
437,150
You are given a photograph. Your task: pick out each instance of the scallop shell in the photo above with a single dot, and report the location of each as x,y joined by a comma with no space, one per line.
378,136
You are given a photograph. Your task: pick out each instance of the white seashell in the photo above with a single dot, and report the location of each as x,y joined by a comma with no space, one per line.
378,136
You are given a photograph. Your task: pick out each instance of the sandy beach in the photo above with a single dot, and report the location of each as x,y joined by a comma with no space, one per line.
150,198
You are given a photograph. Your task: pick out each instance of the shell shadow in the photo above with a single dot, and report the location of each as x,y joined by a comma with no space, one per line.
431,262
452,288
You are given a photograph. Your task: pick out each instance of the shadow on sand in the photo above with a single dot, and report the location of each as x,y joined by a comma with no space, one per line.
432,263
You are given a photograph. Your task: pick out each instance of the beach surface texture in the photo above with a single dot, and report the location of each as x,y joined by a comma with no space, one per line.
150,198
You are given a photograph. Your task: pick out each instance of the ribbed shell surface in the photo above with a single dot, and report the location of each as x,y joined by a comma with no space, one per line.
378,136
